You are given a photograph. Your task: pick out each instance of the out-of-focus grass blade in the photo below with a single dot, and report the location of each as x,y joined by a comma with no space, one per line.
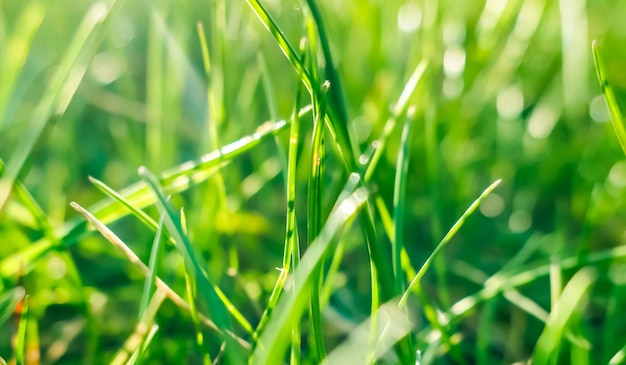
135,358
399,108
356,349
177,179
616,114
445,241
552,335
60,91
8,301
18,47
20,346
276,337
138,341
619,357
218,304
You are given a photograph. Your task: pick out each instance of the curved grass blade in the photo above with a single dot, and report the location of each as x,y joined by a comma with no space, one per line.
444,242
275,339
552,335
616,114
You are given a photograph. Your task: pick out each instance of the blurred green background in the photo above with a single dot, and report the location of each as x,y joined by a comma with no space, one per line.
510,93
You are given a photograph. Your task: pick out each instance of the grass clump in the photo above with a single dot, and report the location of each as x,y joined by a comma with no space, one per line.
267,182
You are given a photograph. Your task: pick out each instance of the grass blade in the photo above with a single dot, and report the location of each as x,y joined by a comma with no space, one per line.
20,346
616,114
565,308
459,223
399,197
315,222
274,340
356,349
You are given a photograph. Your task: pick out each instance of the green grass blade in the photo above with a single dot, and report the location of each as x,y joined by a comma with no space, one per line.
335,93
399,198
140,214
315,222
291,252
616,114
155,257
552,335
20,346
459,223
277,336
191,299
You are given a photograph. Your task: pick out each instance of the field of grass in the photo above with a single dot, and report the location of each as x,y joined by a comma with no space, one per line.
304,182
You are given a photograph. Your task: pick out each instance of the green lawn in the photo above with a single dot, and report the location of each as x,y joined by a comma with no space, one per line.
304,182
